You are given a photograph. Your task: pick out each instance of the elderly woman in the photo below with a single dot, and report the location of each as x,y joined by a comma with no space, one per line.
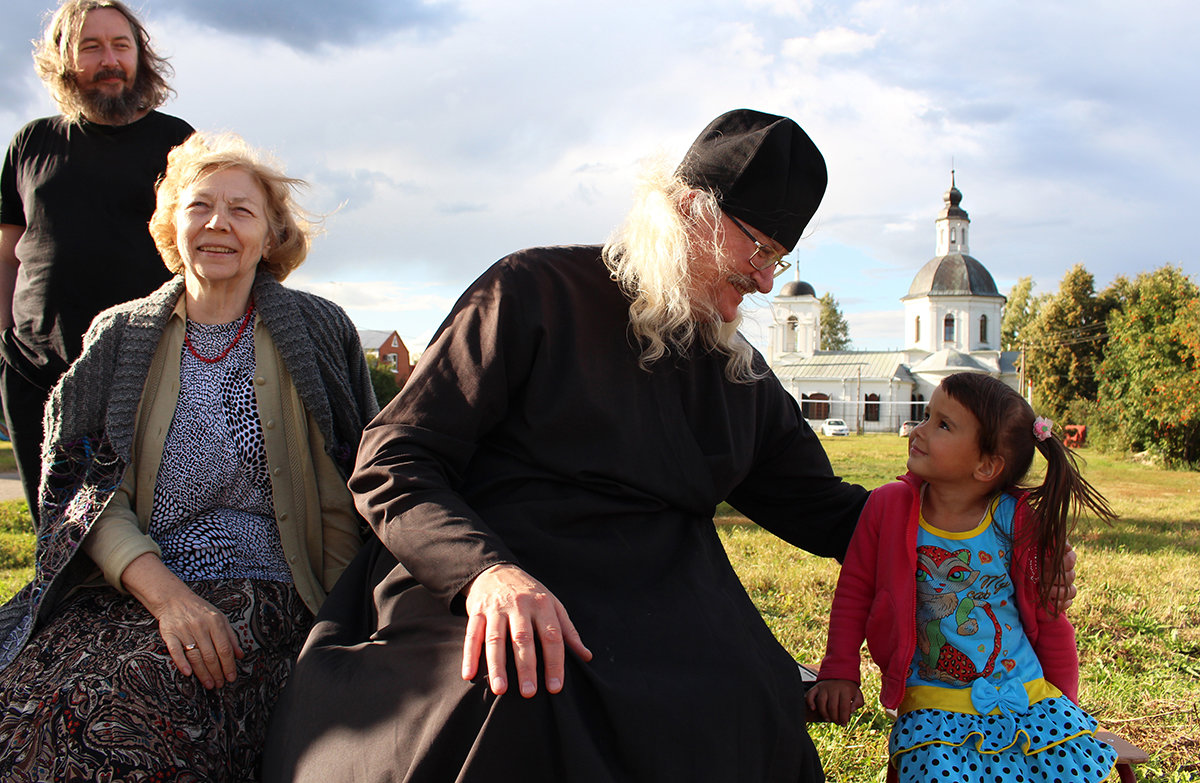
194,504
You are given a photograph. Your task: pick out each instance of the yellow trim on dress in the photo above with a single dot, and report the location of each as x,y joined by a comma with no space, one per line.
922,697
984,522
979,738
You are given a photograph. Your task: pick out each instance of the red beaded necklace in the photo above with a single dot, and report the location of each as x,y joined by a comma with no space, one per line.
213,360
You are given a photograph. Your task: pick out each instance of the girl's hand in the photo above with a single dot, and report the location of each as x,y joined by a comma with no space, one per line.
835,700
198,636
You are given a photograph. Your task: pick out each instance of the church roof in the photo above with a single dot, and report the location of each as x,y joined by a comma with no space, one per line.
950,360
797,288
954,274
874,365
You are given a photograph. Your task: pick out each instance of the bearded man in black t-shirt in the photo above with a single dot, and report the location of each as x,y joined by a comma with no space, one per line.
76,194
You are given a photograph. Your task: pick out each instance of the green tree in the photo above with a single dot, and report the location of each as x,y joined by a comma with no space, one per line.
1148,397
1065,344
1020,311
835,332
383,381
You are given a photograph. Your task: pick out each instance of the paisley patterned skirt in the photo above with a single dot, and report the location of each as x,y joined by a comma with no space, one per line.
95,695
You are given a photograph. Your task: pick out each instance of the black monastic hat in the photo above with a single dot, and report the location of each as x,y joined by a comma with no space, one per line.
763,169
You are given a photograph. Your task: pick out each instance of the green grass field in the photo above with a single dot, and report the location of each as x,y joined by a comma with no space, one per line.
1137,616
16,535
8,463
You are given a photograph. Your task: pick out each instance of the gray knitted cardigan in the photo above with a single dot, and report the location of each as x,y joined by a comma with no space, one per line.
91,415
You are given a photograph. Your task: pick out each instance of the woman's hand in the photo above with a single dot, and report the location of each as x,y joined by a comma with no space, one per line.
198,636
835,700
506,603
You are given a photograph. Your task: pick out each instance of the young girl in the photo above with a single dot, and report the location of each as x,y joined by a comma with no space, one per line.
985,674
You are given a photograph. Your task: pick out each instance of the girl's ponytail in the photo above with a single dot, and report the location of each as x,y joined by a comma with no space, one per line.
1056,504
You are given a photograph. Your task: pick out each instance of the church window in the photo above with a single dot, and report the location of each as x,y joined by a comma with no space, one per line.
983,329
948,329
917,411
917,330
951,235
871,412
395,341
815,406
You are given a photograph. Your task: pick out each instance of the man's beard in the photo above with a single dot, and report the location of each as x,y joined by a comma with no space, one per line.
106,109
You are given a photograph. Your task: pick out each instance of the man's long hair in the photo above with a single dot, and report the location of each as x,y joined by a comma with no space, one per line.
54,58
652,257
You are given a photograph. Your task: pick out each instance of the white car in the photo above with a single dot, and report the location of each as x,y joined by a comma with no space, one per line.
834,427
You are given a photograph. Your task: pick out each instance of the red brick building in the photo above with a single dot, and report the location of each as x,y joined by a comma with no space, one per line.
389,350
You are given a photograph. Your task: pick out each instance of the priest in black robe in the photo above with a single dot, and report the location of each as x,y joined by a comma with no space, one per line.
547,598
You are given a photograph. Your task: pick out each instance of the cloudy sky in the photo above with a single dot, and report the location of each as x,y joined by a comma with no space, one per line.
441,135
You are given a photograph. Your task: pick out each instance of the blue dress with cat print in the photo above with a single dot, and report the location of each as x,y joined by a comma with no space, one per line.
976,707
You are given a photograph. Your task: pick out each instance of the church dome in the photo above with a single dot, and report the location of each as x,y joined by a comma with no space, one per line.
946,361
797,288
954,274
953,198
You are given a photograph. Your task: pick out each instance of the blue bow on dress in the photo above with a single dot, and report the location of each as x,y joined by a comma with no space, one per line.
1009,696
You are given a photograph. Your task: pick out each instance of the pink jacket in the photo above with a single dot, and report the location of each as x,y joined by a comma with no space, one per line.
876,598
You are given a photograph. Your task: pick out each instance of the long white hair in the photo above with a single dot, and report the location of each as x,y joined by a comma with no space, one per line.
652,257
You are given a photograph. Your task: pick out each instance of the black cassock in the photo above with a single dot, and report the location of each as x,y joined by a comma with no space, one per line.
530,434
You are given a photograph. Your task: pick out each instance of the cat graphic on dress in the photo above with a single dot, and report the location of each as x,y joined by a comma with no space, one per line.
941,576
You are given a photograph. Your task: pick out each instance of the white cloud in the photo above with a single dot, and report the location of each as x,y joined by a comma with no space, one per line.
795,9
876,329
456,137
376,295
825,43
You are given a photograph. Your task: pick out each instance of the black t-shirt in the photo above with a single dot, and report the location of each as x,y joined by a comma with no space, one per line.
84,193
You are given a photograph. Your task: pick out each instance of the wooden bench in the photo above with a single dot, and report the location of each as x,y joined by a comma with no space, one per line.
1128,754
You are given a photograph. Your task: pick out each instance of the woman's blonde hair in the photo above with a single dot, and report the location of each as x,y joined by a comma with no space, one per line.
290,228
652,256
54,58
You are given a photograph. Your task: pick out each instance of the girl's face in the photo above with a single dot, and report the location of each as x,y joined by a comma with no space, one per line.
944,448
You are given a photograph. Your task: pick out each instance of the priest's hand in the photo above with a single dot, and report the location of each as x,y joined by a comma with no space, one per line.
1063,592
504,602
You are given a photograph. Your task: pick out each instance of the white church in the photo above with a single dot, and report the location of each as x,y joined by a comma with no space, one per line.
951,324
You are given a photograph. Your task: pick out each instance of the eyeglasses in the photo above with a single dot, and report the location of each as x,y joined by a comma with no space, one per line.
768,257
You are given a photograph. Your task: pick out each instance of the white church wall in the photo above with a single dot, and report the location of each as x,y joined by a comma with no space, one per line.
966,312
847,400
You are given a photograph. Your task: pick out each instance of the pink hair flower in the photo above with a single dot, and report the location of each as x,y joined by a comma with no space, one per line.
1042,428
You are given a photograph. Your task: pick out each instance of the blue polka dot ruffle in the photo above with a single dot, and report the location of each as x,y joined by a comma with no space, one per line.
1051,742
